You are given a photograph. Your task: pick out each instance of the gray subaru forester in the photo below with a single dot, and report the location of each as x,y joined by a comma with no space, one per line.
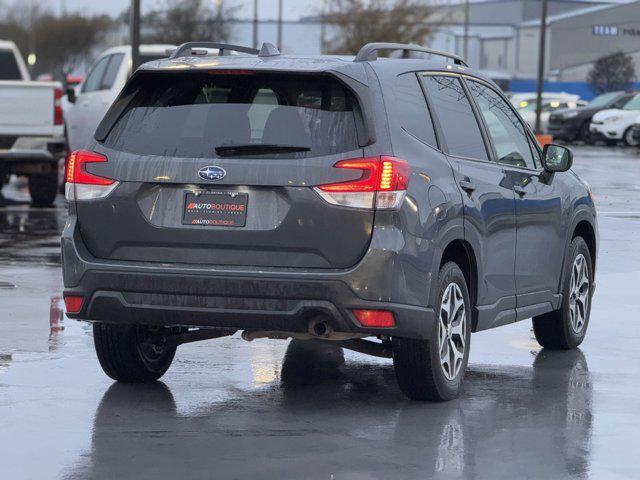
390,206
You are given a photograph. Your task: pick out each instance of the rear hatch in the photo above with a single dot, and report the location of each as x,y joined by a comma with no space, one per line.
218,168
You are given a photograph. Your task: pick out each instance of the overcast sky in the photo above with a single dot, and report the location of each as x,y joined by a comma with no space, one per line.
293,9
268,9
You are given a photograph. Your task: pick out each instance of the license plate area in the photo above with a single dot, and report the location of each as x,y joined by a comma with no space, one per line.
215,209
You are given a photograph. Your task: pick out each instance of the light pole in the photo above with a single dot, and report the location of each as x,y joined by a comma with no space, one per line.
255,23
541,62
465,47
134,33
279,24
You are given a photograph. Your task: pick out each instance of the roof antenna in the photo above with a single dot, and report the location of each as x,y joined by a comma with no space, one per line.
268,50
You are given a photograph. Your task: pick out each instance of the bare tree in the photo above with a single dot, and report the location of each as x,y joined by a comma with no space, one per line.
59,42
179,21
612,72
362,21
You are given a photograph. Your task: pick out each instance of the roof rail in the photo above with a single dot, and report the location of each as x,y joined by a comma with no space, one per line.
185,49
370,51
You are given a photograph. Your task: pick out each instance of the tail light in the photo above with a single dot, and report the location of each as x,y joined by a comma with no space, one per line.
375,318
82,185
382,185
57,106
73,303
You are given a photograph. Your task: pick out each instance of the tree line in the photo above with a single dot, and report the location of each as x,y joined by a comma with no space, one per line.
62,42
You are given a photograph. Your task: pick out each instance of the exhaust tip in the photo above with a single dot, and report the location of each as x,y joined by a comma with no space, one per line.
319,328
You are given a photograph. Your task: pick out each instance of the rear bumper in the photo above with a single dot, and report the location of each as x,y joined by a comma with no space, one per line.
244,299
33,150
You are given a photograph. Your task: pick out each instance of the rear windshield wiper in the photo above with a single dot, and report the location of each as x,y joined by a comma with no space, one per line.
257,149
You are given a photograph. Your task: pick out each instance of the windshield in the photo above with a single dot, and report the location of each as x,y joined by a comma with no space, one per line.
208,115
633,104
603,100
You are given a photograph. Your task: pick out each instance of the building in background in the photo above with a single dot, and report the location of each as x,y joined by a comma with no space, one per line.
503,38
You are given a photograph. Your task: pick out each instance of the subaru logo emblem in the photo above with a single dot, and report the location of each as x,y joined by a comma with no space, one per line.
212,173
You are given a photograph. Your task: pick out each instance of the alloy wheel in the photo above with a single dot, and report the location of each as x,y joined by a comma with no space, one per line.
452,331
579,293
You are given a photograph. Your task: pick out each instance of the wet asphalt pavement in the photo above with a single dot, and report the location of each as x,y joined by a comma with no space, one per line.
271,409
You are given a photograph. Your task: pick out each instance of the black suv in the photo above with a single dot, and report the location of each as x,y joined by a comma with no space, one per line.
574,123
323,198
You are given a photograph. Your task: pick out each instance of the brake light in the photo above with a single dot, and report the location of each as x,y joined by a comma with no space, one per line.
57,106
222,71
73,303
82,185
375,318
383,184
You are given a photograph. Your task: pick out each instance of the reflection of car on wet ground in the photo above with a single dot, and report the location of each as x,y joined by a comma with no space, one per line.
280,196
573,123
526,413
616,124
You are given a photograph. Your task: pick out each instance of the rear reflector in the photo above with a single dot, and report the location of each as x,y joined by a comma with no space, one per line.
82,185
382,185
73,304
375,318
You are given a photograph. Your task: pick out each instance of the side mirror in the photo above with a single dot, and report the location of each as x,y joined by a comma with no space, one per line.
71,94
556,158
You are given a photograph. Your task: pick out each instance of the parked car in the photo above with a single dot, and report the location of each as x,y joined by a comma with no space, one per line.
574,123
90,100
616,124
549,106
31,127
521,100
325,199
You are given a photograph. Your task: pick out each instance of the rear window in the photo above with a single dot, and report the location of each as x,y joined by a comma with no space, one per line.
195,114
9,69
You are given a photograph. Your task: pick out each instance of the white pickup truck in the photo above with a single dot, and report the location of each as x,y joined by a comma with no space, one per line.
32,141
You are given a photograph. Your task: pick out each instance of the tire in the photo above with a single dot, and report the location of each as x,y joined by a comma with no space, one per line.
125,358
417,364
629,138
584,133
44,188
566,328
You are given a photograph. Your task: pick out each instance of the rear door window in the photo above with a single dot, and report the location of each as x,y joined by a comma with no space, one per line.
94,78
459,125
9,69
202,114
412,109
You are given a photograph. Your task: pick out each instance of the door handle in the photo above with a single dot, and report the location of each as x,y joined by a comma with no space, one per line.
519,190
467,185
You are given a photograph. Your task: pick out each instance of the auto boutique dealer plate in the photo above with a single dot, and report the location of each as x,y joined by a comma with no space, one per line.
216,209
